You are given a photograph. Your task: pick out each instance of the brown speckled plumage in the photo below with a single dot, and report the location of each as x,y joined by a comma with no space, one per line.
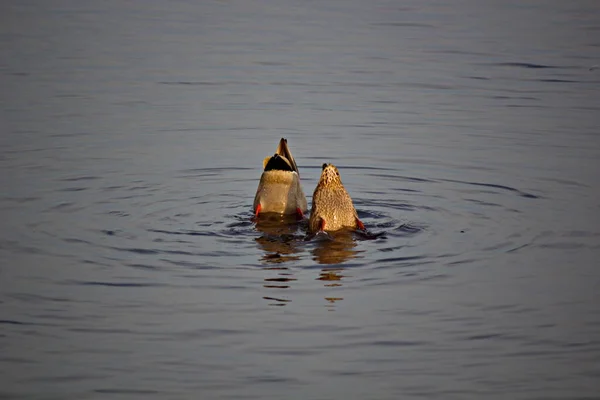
332,207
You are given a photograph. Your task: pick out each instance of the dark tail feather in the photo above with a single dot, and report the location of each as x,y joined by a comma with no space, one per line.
278,163
284,152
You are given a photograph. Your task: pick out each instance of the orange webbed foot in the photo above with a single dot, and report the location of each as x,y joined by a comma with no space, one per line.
299,214
322,225
258,208
360,225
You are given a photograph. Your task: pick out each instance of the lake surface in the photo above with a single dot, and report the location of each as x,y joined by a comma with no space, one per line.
132,141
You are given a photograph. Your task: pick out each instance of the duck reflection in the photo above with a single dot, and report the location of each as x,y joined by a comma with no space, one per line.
279,239
331,276
280,242
335,247
331,302
282,239
278,278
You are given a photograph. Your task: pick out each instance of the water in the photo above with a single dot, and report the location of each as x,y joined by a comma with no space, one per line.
132,140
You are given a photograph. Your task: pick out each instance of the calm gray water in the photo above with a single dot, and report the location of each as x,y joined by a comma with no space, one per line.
131,146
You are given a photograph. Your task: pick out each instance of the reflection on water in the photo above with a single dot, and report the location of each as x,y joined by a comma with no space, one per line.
331,302
279,240
282,240
331,274
276,301
335,247
281,282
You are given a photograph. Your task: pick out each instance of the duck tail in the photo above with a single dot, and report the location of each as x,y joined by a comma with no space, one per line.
277,163
285,152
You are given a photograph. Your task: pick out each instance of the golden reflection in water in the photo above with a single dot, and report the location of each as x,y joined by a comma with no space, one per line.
336,249
331,302
331,276
279,241
279,238
282,240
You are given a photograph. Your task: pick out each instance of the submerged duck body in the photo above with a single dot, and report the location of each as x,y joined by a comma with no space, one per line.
279,190
332,207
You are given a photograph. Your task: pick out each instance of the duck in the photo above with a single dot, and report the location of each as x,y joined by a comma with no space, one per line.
279,190
332,208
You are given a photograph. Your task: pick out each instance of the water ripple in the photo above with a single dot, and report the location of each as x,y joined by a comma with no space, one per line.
116,284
